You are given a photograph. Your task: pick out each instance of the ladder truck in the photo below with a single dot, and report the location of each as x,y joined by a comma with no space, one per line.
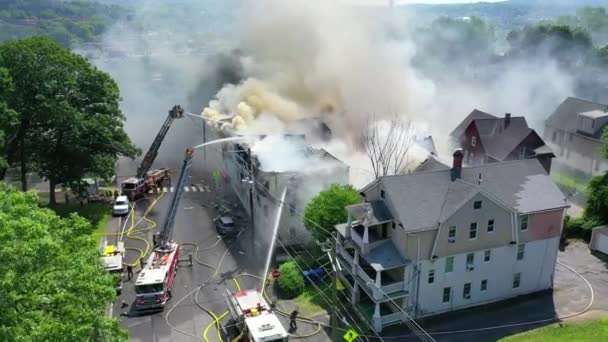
147,179
153,285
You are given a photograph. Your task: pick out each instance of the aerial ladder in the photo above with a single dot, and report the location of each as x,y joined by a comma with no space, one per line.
147,179
153,285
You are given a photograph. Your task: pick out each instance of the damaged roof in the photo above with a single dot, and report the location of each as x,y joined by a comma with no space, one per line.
378,212
424,199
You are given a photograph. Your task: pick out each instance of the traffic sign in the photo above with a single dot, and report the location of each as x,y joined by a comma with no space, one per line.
350,335
276,274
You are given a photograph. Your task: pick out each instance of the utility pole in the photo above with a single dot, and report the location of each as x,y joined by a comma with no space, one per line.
252,184
334,316
334,292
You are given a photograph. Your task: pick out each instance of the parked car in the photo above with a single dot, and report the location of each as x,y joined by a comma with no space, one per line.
225,226
121,206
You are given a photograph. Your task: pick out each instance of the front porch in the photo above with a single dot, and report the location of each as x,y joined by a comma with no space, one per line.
381,274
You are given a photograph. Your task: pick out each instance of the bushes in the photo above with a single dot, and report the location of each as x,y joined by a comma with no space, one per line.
291,281
580,227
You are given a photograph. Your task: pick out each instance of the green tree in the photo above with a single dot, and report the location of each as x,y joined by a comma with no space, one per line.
53,285
7,118
569,46
327,209
291,281
70,123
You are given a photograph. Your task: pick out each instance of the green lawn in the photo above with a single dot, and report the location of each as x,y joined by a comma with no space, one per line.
309,302
596,330
569,183
96,213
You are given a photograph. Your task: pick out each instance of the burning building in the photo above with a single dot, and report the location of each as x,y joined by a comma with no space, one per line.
259,168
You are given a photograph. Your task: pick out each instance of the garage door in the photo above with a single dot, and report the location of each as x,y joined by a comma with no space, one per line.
602,244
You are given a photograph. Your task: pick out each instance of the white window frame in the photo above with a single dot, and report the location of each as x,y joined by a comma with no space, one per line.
483,288
521,251
451,239
470,266
487,255
451,269
431,277
471,231
517,279
466,294
480,204
490,225
449,293
523,224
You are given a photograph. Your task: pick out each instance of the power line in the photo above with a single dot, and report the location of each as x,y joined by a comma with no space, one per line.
407,319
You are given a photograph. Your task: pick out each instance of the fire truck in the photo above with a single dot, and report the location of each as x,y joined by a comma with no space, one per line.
254,318
112,257
153,285
146,179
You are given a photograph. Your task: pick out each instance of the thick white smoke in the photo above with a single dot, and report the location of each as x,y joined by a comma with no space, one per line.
315,59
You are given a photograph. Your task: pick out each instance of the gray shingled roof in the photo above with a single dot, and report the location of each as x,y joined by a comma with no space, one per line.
385,257
564,117
431,164
424,199
499,140
475,114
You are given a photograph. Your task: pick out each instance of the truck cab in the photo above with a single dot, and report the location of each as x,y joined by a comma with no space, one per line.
112,258
254,317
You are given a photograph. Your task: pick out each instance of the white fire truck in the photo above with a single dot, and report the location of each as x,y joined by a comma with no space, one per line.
153,285
112,257
254,318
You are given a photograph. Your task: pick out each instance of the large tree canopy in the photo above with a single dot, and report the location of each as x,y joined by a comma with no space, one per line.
326,209
53,286
69,121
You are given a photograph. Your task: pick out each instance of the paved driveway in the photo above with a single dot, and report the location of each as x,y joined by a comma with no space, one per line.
571,295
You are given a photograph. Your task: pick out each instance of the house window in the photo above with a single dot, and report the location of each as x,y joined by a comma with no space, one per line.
449,264
487,255
382,193
452,234
477,205
431,276
447,291
524,223
393,225
484,285
490,226
516,280
470,261
520,251
473,141
554,137
473,231
466,291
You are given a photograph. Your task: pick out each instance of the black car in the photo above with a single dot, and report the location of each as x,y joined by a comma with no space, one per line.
225,226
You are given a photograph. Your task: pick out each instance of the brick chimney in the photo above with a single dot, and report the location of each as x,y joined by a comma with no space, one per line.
507,119
456,170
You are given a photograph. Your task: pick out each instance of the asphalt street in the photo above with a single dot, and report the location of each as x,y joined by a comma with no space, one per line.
216,263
